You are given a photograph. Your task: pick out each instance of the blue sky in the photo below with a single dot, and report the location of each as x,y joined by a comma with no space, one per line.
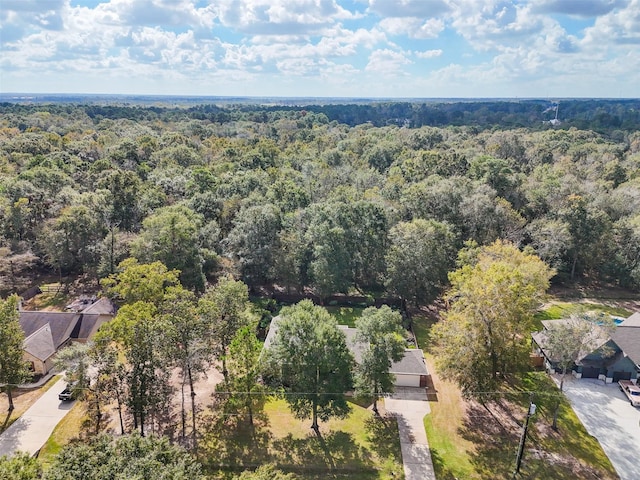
323,48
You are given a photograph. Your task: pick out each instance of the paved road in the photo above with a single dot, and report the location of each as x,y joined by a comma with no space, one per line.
416,456
30,432
607,415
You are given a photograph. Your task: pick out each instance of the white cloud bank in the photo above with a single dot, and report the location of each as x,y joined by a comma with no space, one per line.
462,48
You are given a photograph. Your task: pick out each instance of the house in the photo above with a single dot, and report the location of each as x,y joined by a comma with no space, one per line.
47,332
409,371
607,357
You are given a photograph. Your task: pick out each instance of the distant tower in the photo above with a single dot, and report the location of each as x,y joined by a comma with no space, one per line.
555,122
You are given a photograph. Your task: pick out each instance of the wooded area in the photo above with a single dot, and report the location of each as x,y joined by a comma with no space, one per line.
331,198
179,213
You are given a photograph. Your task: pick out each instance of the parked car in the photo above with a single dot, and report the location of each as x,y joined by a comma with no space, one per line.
631,390
69,393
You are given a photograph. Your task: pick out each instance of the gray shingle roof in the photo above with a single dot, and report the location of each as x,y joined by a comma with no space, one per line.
412,363
632,321
40,343
628,339
62,324
103,306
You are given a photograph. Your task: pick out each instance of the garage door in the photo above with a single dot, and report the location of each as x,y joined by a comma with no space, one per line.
407,380
590,372
621,376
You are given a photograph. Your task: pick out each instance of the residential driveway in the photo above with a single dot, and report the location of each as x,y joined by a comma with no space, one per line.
33,428
416,456
607,415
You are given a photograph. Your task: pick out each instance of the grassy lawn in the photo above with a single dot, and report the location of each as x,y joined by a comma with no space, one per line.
53,297
22,400
360,447
473,441
345,315
556,309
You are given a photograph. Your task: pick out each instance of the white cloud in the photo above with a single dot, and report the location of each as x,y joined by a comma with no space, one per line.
388,62
409,8
495,23
266,17
428,54
266,45
617,28
413,27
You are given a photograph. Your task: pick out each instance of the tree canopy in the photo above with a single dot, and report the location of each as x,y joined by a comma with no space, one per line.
484,335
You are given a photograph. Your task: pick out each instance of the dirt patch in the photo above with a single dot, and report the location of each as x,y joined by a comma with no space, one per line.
204,389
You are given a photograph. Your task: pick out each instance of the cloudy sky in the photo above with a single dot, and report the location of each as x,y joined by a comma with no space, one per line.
323,48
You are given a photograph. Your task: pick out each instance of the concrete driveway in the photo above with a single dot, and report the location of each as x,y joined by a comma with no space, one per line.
416,457
30,432
607,415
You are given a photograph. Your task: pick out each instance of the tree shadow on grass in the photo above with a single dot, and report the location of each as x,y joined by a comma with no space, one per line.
440,468
495,438
232,442
337,451
382,433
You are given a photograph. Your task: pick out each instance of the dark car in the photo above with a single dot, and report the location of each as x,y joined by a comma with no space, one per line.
69,393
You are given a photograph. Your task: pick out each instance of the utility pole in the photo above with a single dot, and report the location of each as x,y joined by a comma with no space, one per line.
531,411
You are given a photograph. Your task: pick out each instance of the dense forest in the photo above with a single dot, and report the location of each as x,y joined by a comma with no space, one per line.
371,198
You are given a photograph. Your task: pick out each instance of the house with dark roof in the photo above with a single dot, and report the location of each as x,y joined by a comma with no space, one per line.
409,371
47,332
608,357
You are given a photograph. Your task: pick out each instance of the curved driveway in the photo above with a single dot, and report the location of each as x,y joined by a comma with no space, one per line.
30,432
607,415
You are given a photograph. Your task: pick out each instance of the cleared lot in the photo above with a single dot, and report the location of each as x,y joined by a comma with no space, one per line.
607,415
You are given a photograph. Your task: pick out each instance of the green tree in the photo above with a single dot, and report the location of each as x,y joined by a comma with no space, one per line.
13,368
170,236
589,228
265,472
252,242
21,466
420,255
381,330
484,334
224,309
247,394
139,282
129,456
348,241
70,241
139,334
314,362
124,187
187,341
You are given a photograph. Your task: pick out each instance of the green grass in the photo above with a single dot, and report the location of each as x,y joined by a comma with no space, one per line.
556,310
360,447
68,428
345,315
